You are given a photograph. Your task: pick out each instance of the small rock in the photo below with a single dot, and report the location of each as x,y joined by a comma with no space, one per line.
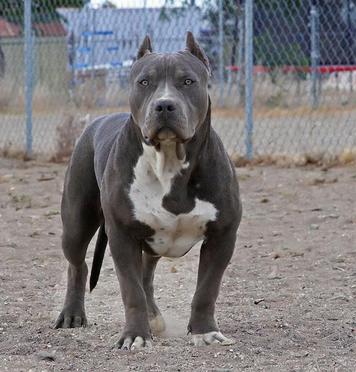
46,355
173,269
302,354
51,213
34,234
332,216
45,178
317,181
333,180
339,259
314,226
297,254
326,216
274,273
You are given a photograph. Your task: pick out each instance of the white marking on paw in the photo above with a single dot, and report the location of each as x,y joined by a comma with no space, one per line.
157,324
174,234
210,338
138,343
127,344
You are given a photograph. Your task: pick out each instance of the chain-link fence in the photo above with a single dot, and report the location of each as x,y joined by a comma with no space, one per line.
304,56
78,56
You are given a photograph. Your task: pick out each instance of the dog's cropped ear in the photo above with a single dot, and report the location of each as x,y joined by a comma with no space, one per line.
193,47
145,48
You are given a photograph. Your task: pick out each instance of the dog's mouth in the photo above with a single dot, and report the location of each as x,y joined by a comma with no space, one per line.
166,136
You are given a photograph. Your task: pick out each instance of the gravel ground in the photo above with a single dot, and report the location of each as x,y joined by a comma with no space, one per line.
288,295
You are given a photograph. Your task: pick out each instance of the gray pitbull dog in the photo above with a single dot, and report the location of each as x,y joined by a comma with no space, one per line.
155,182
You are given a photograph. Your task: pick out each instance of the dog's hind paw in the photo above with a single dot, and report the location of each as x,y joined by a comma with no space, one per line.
211,338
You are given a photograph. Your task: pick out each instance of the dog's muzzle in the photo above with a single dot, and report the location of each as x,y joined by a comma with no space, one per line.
166,135
155,135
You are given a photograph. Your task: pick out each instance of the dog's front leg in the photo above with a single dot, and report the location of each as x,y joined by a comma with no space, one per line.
215,254
127,256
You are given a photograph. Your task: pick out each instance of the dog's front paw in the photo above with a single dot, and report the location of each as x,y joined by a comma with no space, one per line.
209,338
71,317
133,341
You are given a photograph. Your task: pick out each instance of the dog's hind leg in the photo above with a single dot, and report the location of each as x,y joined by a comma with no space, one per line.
156,320
81,217
75,243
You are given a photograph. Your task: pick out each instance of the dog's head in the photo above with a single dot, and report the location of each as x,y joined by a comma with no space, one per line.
169,92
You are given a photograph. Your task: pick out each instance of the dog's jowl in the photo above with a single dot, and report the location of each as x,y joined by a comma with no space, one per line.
154,182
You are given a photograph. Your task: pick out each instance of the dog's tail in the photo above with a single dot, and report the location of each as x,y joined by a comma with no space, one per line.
99,253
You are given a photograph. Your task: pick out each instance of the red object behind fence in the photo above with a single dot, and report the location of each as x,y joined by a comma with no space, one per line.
306,69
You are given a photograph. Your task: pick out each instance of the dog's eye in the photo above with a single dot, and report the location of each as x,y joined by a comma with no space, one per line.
188,82
144,82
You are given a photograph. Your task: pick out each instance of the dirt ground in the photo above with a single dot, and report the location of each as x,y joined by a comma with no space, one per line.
288,296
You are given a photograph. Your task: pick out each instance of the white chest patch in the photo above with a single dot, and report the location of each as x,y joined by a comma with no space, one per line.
174,234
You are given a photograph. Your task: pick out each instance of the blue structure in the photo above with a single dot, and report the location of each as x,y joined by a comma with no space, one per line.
108,38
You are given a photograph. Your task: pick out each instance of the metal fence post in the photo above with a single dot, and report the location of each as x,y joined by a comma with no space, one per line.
249,77
90,38
240,59
315,55
221,53
28,75
145,19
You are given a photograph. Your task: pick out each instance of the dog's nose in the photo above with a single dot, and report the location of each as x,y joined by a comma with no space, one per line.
163,106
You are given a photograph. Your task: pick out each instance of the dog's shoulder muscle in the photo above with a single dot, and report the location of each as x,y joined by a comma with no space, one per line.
102,134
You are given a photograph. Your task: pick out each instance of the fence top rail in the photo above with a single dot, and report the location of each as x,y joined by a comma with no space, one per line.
328,69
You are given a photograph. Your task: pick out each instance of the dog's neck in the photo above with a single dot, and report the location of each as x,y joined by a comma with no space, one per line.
164,163
196,147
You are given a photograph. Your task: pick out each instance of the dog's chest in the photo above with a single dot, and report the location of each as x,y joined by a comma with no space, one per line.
174,234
